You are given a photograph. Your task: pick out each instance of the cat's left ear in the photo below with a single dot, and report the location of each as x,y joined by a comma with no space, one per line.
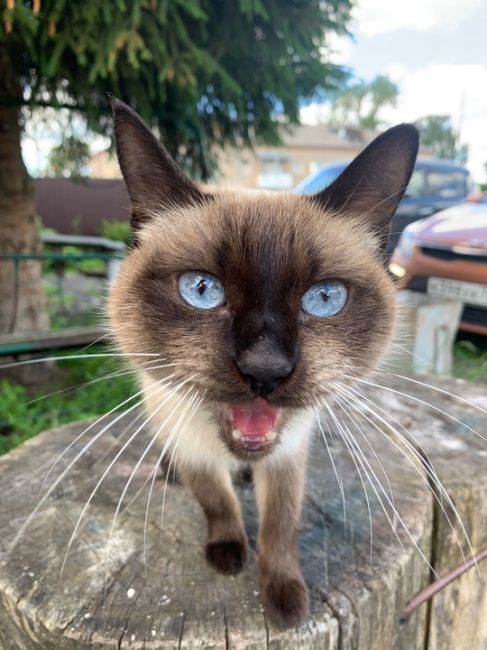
154,181
375,181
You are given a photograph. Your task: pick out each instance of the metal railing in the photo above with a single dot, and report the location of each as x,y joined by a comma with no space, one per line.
70,327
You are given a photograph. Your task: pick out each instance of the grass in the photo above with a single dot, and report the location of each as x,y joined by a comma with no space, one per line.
21,418
470,360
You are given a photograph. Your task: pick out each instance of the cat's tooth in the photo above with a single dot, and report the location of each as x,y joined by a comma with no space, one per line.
271,435
236,434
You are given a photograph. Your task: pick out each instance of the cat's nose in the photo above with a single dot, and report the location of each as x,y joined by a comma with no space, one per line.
264,369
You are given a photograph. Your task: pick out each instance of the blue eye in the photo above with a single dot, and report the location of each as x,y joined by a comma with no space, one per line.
325,298
201,290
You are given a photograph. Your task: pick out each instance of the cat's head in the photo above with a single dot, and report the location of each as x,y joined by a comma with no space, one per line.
262,300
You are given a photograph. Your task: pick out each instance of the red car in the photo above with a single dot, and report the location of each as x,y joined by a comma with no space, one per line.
446,255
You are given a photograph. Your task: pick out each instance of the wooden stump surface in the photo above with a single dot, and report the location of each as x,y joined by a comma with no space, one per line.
172,599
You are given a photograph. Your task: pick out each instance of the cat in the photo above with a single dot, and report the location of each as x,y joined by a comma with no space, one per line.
256,304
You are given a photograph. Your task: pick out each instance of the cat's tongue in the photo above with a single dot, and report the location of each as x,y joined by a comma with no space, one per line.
254,423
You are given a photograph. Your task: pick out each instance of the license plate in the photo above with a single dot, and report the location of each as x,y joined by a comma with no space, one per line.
469,292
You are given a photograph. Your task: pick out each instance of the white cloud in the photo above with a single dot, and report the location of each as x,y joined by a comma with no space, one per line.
338,49
315,113
456,90
35,151
375,17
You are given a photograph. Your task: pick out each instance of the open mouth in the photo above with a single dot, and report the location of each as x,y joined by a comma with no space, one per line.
253,425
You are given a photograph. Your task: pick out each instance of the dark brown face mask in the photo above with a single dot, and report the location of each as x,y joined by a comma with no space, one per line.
266,250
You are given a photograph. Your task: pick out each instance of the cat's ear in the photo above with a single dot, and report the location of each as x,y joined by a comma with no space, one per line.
154,181
375,181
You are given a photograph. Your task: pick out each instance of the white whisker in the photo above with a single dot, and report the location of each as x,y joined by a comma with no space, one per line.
46,495
173,454
352,454
420,401
112,463
335,471
68,357
424,463
462,400
111,375
166,445
93,424
143,455
363,459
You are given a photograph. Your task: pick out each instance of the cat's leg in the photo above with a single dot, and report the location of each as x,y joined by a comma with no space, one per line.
226,548
279,490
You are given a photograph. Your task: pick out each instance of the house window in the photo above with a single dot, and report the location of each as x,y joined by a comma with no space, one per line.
297,167
272,165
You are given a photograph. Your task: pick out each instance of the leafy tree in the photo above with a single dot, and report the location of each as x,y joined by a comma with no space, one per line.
70,158
205,73
438,134
359,103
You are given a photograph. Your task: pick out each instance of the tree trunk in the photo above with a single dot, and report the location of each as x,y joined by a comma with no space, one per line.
22,302
159,593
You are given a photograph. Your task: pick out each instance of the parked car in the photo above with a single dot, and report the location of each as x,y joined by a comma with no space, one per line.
434,185
446,255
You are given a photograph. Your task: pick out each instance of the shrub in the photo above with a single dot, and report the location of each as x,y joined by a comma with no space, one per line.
470,361
22,417
118,230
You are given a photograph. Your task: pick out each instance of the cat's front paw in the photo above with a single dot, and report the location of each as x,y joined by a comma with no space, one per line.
285,599
228,556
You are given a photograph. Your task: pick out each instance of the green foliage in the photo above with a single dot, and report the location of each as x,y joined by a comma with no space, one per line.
20,420
94,262
359,103
69,159
204,72
438,134
118,230
91,266
470,361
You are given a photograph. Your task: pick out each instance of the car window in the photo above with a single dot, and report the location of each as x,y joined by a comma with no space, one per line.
470,184
416,187
322,179
445,185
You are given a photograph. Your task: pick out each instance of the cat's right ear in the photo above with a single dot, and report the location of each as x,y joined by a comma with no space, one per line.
154,181
374,182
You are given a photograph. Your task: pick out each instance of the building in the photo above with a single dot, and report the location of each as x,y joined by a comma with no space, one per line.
104,165
303,150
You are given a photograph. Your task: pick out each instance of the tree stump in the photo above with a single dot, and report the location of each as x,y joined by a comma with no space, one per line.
173,599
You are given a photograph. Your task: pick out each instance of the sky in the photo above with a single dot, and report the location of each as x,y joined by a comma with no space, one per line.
435,51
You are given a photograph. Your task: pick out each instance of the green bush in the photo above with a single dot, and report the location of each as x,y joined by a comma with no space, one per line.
470,362
90,265
118,230
22,417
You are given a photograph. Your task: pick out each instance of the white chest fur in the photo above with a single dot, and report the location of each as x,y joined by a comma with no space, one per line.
192,437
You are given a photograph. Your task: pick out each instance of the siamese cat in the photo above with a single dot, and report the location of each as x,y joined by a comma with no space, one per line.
256,304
